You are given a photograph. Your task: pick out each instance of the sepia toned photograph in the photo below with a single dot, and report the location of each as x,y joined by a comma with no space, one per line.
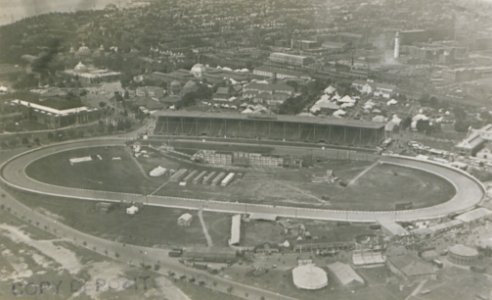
246,149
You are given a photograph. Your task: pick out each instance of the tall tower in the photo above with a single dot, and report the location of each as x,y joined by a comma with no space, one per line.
396,51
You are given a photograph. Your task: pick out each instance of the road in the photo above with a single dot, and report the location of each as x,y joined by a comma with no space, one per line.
134,255
469,191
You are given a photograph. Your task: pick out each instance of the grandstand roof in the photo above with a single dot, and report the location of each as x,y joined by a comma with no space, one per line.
281,118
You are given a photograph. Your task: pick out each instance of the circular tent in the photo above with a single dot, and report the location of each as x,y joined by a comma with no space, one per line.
309,277
463,255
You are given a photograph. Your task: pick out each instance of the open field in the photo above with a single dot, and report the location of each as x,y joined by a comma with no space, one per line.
106,174
378,187
149,227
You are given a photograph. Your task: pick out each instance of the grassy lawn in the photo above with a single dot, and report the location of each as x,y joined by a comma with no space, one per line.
150,226
256,232
106,174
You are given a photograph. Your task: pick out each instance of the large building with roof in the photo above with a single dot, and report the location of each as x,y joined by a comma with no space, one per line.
290,59
284,128
53,117
88,75
475,140
345,274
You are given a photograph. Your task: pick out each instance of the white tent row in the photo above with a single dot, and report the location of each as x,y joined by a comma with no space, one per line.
339,113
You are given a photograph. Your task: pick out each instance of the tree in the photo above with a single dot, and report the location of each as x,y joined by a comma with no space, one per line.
422,125
461,125
459,113
406,123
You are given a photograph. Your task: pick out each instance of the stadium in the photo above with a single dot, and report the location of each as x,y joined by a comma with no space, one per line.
467,191
276,128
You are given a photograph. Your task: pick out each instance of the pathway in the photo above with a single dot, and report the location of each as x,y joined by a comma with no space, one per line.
369,168
210,243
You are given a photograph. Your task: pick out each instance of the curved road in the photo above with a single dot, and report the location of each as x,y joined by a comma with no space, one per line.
469,191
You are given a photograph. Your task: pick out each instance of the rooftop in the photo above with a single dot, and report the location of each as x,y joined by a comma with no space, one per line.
309,277
52,111
463,250
280,118
344,273
474,215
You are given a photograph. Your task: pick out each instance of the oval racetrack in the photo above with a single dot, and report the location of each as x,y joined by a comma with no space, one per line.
469,191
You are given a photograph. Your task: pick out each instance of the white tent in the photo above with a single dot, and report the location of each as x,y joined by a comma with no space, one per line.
339,113
395,119
131,210
347,99
329,90
391,102
366,89
346,105
157,171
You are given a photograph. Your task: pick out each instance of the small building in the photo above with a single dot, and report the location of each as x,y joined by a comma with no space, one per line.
213,254
223,94
485,153
132,210
362,258
345,274
410,268
235,230
185,220
393,229
157,171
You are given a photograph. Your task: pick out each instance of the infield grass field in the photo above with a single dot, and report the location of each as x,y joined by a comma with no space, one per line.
328,184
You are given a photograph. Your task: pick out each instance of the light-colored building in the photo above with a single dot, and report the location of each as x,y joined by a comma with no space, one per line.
410,268
88,75
345,274
132,210
53,117
290,59
235,230
185,220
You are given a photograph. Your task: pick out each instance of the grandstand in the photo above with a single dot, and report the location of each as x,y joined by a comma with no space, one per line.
288,128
